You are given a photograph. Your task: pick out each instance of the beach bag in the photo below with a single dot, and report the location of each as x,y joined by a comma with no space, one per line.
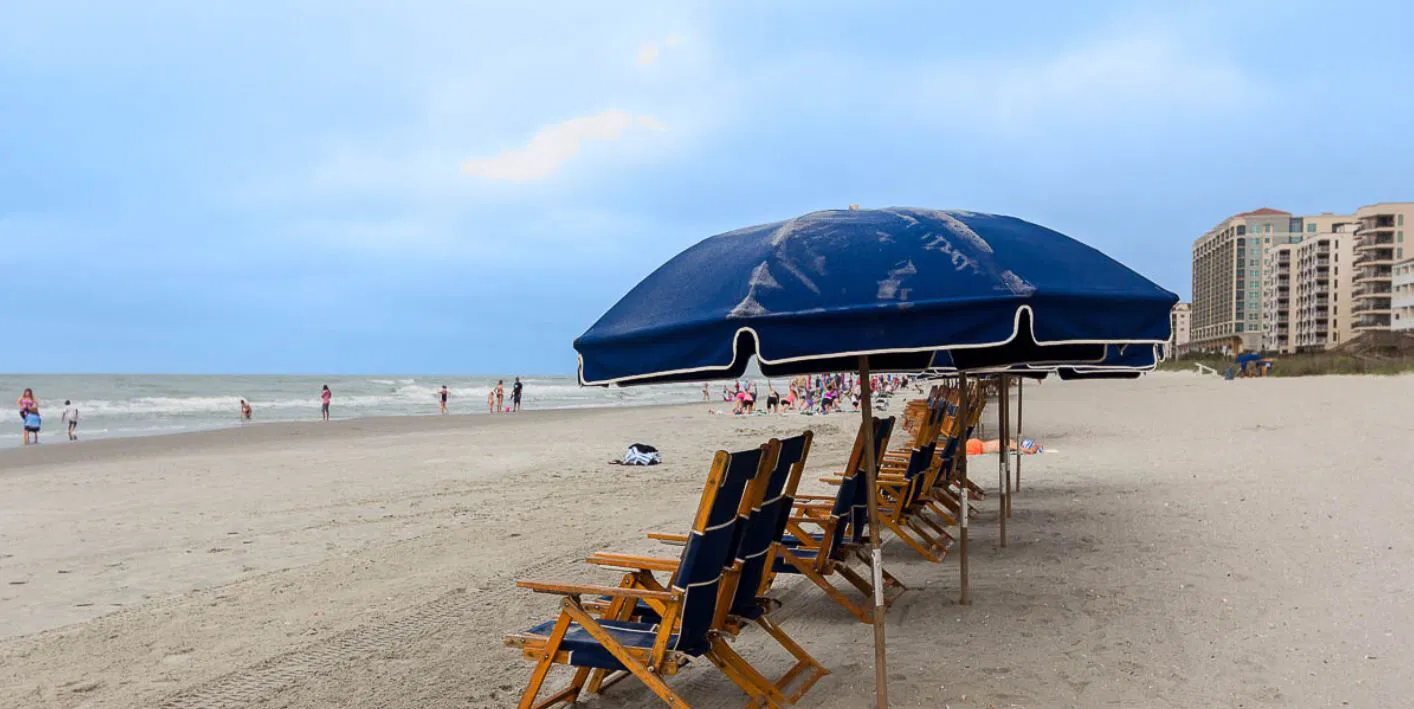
641,454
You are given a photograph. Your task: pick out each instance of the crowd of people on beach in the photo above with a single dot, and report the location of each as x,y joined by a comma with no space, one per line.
820,394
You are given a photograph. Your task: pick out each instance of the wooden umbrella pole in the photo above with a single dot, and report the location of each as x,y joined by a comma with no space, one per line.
1020,390
881,674
1002,482
963,405
1006,438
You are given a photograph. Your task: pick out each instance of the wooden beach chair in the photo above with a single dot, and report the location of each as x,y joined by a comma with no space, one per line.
761,532
692,608
842,521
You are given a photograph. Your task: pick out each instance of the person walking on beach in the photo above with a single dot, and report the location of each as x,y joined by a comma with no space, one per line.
325,397
71,418
705,395
443,394
516,390
500,395
32,422
246,412
491,401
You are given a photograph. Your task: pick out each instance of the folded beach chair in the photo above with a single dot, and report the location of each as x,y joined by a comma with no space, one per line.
761,531
842,523
692,608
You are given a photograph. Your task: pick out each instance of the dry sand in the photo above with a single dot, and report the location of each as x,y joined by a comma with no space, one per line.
1192,542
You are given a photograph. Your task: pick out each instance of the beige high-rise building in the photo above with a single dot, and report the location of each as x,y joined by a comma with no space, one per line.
1306,287
1402,296
1227,278
1379,243
1180,323
1278,269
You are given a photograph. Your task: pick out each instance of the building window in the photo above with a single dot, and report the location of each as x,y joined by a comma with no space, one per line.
1241,230
1310,228
1399,219
1267,228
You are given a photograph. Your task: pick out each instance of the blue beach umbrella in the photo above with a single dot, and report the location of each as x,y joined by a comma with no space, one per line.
894,284
887,289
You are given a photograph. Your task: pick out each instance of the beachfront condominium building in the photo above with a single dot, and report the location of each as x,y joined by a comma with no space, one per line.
1180,323
1227,278
1278,267
1306,287
1402,296
1379,243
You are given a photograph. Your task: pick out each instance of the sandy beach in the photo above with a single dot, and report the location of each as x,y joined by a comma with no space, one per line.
1189,542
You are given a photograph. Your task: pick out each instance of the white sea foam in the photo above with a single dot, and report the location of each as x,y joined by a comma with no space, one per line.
127,405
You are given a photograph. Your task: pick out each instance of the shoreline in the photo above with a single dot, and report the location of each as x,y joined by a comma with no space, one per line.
276,432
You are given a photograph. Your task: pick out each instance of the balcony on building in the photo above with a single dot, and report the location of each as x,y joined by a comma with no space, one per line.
1372,304
1373,321
1374,239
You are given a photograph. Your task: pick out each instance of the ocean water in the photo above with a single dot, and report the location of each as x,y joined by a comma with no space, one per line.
144,405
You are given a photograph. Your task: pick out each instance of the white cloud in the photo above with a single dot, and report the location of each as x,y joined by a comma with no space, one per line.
553,145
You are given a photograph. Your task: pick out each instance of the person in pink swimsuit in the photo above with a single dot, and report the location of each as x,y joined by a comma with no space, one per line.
324,398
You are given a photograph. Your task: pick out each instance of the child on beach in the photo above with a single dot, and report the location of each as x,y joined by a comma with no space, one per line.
325,397
491,401
500,394
32,422
71,417
443,394
26,402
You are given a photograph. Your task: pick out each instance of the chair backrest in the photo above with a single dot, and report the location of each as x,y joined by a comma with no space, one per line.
916,475
767,522
710,546
859,509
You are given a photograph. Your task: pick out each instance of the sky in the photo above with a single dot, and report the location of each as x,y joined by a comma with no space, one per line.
343,186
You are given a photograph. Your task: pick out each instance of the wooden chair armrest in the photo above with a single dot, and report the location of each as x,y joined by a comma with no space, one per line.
633,561
668,537
832,480
590,589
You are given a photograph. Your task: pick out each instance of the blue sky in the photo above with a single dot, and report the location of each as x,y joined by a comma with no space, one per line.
460,187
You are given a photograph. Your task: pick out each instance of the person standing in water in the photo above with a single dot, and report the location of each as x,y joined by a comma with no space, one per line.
325,397
443,394
71,417
516,390
246,412
32,422
500,395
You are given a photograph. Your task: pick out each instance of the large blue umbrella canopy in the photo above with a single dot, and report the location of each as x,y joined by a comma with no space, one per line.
814,293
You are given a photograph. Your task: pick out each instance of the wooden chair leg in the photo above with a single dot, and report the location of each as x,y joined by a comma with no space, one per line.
914,544
742,674
809,572
806,665
569,694
649,677
546,661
